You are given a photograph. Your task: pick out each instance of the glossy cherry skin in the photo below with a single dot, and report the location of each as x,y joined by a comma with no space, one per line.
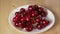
22,10
35,7
43,14
27,17
39,26
29,28
38,19
16,24
22,19
21,25
16,19
30,8
33,14
40,9
17,13
45,22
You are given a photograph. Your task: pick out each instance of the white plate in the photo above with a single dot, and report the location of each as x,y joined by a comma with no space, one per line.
50,17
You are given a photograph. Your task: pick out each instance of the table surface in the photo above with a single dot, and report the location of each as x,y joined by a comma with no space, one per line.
6,6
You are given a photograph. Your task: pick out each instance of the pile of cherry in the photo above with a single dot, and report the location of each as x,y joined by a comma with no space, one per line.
32,18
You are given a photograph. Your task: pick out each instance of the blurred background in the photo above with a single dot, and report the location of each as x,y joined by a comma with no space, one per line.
6,6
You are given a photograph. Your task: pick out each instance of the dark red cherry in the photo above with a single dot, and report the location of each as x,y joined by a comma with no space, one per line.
30,8
29,28
22,19
17,13
38,19
39,26
22,10
35,7
21,25
43,14
40,9
16,19
34,14
27,11
16,24
27,17
45,22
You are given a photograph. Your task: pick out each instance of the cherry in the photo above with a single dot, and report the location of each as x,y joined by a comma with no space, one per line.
39,26
30,8
34,14
40,9
38,19
22,19
27,17
22,10
45,22
27,12
17,13
29,28
43,14
21,25
35,7
16,19
16,24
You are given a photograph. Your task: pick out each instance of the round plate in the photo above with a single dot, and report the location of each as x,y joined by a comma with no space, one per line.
50,17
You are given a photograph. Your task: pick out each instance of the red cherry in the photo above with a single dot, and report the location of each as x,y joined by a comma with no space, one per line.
43,14
39,26
27,17
34,14
30,8
17,13
16,19
21,25
16,24
45,22
22,19
28,12
22,10
29,28
40,9
38,20
35,7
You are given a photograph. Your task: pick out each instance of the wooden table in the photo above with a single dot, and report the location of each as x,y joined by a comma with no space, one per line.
6,6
